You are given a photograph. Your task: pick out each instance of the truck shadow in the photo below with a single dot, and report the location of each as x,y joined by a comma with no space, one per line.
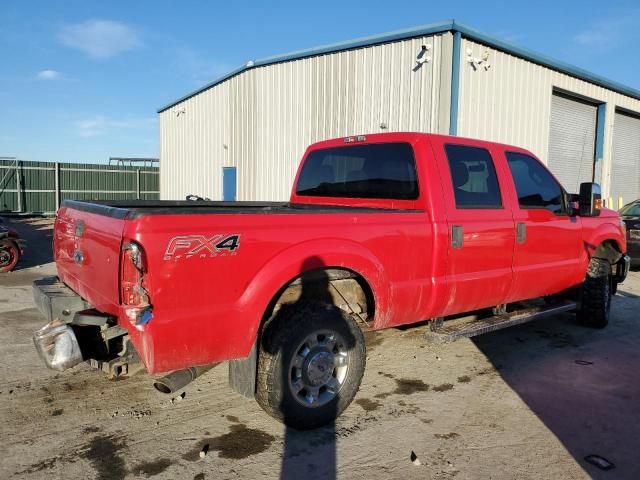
38,234
583,384
307,454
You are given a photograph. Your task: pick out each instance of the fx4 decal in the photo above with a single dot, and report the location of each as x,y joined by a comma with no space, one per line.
201,246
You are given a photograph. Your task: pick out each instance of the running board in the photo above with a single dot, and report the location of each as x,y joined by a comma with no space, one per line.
452,330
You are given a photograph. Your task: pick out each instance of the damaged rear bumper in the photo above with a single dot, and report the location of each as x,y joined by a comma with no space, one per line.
75,332
57,346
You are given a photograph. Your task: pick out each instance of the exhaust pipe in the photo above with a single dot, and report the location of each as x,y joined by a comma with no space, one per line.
179,379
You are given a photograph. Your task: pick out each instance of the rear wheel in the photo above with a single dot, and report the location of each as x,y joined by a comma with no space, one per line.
310,365
9,255
596,295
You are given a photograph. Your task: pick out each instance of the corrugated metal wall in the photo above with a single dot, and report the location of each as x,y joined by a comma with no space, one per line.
511,102
77,181
262,120
572,139
625,174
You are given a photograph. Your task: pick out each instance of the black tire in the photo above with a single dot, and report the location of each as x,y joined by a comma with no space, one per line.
284,343
9,255
595,304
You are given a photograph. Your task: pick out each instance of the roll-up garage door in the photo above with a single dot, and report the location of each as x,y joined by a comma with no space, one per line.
572,139
625,169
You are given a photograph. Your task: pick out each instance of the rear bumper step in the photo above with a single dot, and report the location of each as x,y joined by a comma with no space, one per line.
56,301
77,332
452,330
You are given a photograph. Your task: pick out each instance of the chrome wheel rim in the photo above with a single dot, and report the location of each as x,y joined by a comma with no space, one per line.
318,368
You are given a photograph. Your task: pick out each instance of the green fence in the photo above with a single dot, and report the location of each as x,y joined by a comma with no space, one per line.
39,187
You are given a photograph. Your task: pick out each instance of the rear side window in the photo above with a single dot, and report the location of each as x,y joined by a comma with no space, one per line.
475,184
377,170
536,188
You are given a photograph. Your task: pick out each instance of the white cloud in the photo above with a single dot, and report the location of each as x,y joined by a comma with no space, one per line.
610,32
92,127
201,69
99,125
48,75
100,38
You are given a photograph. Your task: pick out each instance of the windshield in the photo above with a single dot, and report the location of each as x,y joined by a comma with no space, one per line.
633,209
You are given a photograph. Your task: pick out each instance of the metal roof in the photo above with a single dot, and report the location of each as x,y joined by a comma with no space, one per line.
442,27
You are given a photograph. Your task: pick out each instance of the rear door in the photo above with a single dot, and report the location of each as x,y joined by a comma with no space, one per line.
549,255
481,227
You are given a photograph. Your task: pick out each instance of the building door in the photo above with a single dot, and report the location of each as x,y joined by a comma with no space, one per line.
572,140
625,169
229,184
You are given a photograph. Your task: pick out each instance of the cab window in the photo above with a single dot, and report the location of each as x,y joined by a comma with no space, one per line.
376,170
536,187
473,175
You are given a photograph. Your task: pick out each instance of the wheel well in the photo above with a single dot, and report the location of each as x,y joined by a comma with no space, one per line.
341,287
608,250
344,288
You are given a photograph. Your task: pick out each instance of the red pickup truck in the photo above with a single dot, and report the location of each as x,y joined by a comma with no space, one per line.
381,230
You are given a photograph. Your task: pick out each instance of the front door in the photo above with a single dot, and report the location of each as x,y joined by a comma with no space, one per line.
481,227
549,253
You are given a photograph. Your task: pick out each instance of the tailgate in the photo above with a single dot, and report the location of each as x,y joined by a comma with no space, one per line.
86,248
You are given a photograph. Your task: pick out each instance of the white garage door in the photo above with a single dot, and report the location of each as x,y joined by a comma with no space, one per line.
572,139
625,170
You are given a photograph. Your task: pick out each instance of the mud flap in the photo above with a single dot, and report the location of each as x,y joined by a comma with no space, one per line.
242,373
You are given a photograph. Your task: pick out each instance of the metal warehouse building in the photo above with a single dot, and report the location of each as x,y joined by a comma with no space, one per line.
242,136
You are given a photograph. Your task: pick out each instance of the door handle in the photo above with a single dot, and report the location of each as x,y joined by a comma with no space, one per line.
521,232
456,236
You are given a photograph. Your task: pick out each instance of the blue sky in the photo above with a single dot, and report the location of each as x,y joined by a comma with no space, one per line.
82,80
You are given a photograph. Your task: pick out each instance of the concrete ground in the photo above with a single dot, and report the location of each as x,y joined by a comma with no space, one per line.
527,402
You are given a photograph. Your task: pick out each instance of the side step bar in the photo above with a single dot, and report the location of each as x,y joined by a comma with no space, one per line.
452,330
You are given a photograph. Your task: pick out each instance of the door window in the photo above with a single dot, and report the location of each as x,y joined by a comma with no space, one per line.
536,187
473,175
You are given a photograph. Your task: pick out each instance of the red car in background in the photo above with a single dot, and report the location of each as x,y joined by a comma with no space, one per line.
11,247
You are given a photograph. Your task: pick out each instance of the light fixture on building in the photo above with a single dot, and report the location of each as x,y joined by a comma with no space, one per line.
423,56
180,111
478,61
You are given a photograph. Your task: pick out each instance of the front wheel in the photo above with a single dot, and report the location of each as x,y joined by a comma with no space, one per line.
595,306
9,255
310,365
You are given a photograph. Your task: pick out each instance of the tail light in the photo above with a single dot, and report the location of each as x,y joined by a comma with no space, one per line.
133,295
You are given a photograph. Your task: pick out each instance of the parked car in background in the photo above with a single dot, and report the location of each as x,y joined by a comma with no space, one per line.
11,247
630,215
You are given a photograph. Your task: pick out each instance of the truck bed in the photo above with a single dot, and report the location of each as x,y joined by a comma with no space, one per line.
131,209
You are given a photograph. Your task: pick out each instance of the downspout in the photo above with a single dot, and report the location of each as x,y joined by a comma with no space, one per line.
598,165
455,83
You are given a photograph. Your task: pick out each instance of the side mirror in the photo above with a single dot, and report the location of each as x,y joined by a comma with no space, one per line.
590,199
